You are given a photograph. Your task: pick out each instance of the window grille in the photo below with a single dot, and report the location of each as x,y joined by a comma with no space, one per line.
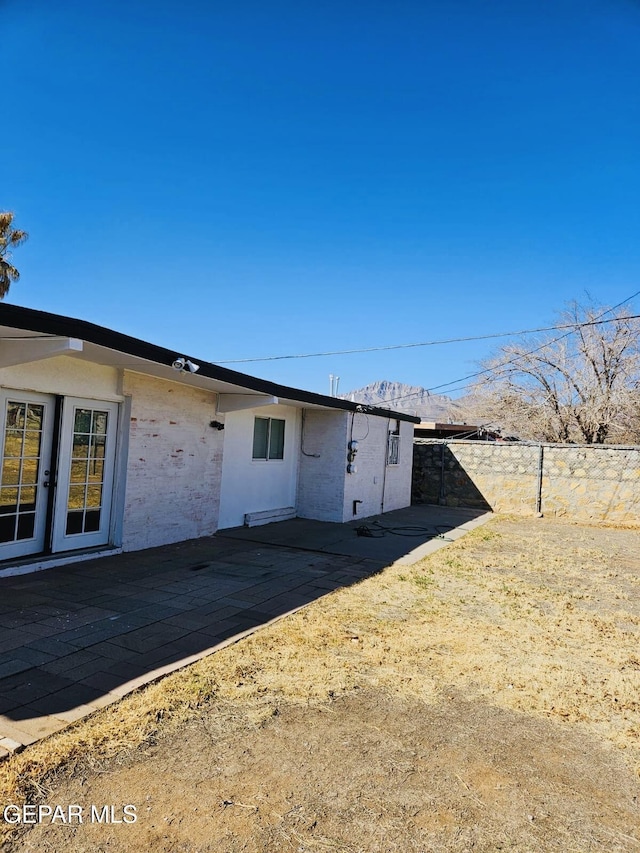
393,449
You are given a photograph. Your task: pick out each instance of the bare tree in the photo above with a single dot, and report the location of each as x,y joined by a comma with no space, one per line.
582,385
627,428
9,238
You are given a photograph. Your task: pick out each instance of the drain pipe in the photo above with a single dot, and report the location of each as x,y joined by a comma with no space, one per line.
385,451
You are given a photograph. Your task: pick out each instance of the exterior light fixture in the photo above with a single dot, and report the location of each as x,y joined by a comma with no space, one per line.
180,363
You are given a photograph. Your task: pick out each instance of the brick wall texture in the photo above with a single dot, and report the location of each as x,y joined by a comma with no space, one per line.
323,461
326,491
175,463
593,483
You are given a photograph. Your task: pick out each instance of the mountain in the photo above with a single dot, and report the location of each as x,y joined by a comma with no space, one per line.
410,399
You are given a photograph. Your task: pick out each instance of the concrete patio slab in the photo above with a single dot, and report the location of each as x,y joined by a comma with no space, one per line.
388,537
76,638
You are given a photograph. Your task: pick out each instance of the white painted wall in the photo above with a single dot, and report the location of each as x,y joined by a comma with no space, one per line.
322,465
326,491
175,463
64,375
367,484
379,486
397,490
178,483
254,485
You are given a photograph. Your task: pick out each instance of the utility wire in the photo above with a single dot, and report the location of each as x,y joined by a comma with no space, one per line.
571,326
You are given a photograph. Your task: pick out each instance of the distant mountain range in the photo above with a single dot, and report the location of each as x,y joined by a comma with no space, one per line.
410,399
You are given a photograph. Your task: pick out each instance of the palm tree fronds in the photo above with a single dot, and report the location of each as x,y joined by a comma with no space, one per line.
9,237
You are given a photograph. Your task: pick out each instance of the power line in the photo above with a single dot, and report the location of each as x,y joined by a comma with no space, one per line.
388,347
571,326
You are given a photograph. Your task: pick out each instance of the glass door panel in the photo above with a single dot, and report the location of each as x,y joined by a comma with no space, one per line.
85,474
24,476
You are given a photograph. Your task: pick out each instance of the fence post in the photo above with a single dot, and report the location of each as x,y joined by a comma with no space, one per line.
539,484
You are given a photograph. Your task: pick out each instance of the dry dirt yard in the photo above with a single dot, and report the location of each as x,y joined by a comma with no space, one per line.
486,699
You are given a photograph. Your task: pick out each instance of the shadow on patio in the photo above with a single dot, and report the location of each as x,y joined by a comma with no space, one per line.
75,638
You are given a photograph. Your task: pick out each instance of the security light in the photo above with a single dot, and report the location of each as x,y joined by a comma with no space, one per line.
181,363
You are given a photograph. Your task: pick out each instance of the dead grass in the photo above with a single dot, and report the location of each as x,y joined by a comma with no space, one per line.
537,617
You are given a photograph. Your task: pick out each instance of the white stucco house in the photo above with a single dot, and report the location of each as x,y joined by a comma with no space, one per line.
112,444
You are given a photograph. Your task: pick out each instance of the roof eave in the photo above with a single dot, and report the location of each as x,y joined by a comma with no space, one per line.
43,322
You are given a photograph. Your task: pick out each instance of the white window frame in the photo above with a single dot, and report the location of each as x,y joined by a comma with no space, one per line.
269,458
393,445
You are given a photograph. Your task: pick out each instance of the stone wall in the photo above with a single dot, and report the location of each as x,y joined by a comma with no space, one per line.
585,482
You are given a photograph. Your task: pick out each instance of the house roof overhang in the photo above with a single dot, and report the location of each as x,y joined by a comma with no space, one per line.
39,334
448,427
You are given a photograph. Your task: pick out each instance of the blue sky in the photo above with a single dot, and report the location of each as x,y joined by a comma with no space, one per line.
249,179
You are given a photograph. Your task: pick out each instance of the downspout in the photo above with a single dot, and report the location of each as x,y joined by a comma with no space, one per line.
385,450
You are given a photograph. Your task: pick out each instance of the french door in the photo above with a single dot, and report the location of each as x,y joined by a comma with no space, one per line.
27,424
82,510
56,485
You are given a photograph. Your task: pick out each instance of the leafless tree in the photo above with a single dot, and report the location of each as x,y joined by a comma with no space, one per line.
627,428
581,384
10,237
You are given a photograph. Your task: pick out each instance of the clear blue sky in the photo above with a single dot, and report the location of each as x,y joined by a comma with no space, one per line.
243,179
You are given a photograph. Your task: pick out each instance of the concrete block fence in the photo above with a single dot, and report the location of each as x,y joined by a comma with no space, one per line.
597,483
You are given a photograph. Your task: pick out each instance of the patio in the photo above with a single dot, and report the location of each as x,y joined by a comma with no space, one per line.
76,638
